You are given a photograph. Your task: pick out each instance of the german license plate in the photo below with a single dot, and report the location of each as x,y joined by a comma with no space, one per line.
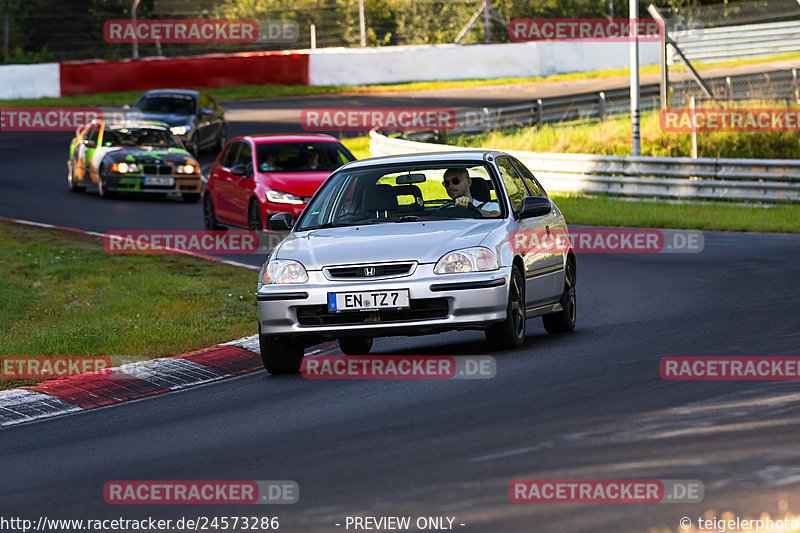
368,300
158,180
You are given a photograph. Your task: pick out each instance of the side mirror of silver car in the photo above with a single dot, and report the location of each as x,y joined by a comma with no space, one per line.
534,206
280,222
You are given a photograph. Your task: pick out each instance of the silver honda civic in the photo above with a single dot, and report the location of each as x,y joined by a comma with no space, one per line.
412,245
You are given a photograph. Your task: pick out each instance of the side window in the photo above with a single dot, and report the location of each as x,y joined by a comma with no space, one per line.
245,156
229,159
91,135
534,186
205,101
515,187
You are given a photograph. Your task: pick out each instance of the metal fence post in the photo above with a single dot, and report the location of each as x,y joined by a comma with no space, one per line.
601,105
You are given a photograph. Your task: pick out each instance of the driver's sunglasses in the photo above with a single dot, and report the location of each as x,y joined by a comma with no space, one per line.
454,180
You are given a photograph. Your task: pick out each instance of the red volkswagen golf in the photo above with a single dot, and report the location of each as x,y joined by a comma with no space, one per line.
257,176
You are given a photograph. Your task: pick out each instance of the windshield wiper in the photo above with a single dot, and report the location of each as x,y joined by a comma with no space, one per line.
408,218
327,225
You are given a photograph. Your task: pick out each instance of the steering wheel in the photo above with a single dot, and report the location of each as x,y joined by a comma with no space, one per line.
451,205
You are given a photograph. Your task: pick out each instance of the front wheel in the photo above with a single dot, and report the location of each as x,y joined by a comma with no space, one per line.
280,354
564,320
254,222
510,333
102,184
73,186
210,221
355,345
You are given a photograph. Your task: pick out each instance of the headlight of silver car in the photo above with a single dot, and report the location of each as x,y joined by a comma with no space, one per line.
280,271
477,259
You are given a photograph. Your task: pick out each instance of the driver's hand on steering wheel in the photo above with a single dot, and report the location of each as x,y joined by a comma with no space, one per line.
463,201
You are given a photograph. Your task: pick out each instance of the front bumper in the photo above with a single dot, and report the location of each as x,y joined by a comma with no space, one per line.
182,183
438,303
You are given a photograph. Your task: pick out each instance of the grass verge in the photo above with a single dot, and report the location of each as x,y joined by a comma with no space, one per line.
62,294
613,137
359,146
608,211
273,91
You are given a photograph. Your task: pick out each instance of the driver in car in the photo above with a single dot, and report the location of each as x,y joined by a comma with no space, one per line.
457,183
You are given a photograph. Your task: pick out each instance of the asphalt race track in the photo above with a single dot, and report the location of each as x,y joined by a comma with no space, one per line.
590,404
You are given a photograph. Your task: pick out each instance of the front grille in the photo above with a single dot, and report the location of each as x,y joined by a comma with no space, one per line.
369,271
155,170
421,309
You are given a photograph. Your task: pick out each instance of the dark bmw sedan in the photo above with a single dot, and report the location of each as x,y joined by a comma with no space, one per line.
192,115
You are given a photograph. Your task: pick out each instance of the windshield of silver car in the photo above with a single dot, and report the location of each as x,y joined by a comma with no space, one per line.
403,194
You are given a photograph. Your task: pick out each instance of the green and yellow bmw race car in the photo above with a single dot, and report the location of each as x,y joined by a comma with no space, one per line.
132,156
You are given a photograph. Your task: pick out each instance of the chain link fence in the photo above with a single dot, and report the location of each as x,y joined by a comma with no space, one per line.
54,30
730,32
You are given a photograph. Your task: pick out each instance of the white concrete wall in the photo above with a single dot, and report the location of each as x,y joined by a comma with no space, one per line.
30,81
394,64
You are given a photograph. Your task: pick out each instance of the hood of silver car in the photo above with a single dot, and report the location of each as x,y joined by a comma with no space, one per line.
424,242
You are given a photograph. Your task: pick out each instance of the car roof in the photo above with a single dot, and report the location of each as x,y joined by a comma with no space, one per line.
128,123
455,156
136,124
266,138
183,92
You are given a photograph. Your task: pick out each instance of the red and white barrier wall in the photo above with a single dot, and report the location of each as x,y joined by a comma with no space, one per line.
329,66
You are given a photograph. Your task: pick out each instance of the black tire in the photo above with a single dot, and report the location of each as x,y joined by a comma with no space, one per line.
254,221
564,320
73,186
191,197
280,354
510,333
102,186
210,222
355,345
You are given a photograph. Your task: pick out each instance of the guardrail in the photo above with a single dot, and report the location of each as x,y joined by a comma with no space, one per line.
579,107
768,180
782,86
736,42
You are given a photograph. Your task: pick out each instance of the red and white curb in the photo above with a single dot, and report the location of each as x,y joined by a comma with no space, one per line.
134,380
127,382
